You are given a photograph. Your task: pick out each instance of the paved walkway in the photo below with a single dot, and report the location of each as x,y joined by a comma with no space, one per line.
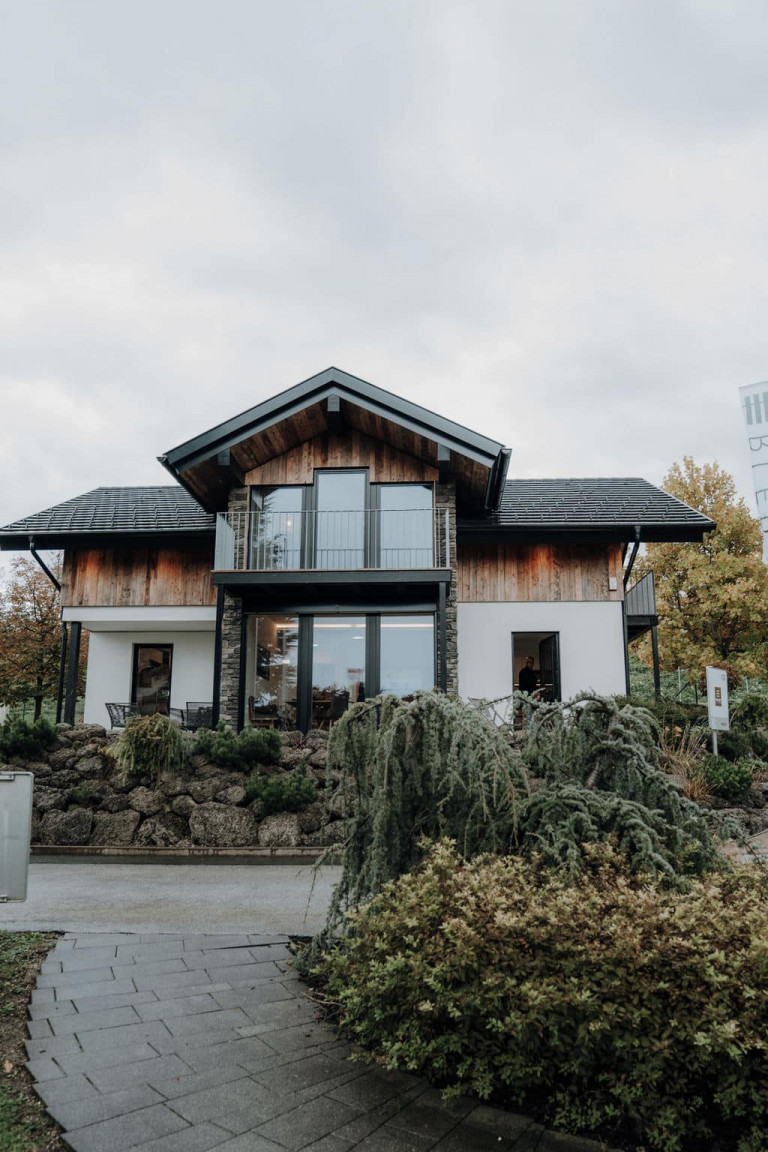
182,1043
96,896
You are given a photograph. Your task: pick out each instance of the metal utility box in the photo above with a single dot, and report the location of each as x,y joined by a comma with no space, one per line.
15,833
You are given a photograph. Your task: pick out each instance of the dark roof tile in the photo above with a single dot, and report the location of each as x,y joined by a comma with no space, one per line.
118,510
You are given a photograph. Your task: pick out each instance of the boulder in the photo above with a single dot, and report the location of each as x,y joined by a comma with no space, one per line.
112,801
146,801
318,757
171,785
280,831
291,738
164,831
72,827
182,806
39,769
293,757
753,798
62,757
203,791
68,778
311,818
327,836
84,733
233,795
751,820
46,799
90,766
219,826
114,829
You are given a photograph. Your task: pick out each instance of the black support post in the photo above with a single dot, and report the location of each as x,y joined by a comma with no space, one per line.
241,702
217,656
655,650
62,673
73,659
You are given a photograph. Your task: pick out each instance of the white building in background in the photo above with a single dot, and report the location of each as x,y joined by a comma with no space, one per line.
754,405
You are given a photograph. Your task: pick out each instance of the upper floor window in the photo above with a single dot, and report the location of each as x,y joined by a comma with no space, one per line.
405,526
341,500
276,527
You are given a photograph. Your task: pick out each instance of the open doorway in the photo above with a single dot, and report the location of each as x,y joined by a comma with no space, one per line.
543,648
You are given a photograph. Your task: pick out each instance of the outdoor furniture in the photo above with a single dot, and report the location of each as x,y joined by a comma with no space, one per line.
197,715
119,713
262,715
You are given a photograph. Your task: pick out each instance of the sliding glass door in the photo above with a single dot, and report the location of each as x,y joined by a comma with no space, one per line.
340,520
338,666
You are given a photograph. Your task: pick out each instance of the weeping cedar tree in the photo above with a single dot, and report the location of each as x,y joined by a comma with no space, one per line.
432,767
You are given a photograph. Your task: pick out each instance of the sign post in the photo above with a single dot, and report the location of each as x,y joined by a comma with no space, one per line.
15,833
717,702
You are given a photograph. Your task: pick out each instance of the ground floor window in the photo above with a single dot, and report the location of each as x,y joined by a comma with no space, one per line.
306,669
151,689
536,664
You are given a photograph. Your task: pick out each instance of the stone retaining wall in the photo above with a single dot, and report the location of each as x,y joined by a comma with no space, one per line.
82,796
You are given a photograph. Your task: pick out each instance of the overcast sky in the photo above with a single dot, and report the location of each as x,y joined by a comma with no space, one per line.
546,220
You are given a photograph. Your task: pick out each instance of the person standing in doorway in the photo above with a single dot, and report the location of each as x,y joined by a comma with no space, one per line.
527,679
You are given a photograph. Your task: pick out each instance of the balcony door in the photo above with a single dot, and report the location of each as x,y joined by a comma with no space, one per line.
340,519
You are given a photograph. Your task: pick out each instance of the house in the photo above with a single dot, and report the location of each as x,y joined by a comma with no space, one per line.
336,541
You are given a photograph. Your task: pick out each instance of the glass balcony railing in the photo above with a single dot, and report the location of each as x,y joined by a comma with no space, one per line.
333,540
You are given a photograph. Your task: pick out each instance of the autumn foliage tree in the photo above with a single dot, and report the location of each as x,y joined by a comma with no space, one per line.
712,597
30,635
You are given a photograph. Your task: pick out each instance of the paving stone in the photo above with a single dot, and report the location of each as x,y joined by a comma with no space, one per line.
307,1122
302,1036
529,1140
368,1122
286,1012
43,1069
38,1029
170,979
37,1011
83,961
388,1139
152,937
205,987
181,1006
303,1074
43,996
237,1052
90,940
115,1000
200,1138
140,969
74,1114
141,1072
162,950
100,1058
86,991
250,1142
68,1088
265,941
329,1144
100,975
245,998
187,1082
92,1021
465,1138
126,1131
505,1124
222,1100
50,966
222,1018
196,1041
219,957
367,1091
237,974
52,1046
196,943
559,1142
424,1119
127,1034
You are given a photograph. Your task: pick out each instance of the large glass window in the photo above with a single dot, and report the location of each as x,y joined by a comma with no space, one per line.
406,527
407,654
340,519
276,527
152,678
271,680
338,666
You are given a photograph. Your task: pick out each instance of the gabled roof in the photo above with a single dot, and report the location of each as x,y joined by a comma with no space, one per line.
109,513
205,464
600,508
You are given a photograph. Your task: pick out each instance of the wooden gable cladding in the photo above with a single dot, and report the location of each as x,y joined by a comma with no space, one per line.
138,577
500,573
385,463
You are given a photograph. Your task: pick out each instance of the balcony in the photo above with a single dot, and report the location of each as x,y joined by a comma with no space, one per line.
361,540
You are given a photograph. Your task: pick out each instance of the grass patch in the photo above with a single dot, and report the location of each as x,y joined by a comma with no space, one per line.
24,1123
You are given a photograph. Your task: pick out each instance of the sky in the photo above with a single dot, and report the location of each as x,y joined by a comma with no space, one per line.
545,220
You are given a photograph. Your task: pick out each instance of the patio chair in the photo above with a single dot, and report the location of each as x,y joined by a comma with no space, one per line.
198,715
119,713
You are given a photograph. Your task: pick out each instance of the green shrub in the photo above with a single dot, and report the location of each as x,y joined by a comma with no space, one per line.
286,793
598,1003
734,745
239,751
728,778
149,744
749,709
19,738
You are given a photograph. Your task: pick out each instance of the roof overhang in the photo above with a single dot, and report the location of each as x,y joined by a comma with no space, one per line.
207,465
54,541
480,533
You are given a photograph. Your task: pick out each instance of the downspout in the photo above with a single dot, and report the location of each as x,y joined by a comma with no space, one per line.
633,556
63,656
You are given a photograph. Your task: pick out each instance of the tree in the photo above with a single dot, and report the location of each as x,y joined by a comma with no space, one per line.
30,635
712,597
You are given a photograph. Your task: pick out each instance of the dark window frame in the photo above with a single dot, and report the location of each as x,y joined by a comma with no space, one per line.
135,666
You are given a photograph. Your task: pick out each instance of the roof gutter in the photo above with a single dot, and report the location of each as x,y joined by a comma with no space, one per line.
632,556
43,564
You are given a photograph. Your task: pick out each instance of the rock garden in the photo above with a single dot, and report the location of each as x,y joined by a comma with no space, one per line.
154,787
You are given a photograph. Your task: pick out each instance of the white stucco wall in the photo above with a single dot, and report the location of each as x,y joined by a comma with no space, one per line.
591,645
110,667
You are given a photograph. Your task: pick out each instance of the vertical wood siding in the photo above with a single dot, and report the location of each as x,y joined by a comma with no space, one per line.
138,577
496,573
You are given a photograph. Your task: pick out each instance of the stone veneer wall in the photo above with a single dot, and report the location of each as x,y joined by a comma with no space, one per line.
445,497
231,628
